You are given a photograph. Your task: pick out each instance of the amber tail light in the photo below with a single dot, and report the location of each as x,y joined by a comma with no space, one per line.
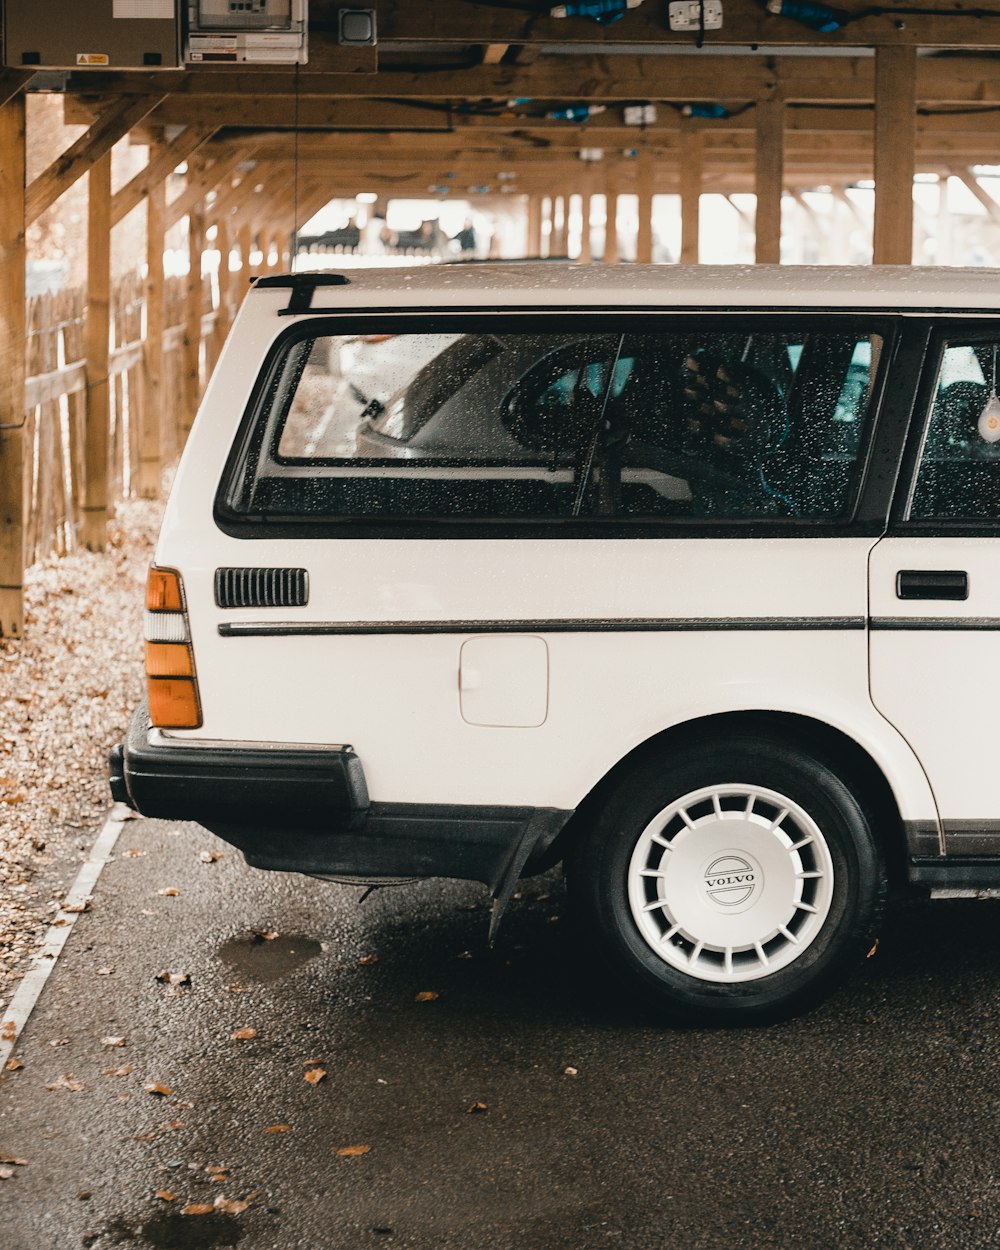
171,679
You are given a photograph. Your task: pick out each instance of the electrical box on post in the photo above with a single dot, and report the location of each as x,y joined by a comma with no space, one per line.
101,34
259,31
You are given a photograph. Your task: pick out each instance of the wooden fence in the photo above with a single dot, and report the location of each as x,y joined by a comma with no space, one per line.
55,483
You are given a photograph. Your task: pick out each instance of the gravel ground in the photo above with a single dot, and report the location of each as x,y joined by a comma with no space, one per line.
66,690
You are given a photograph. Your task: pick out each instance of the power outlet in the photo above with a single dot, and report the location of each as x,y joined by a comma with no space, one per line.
686,14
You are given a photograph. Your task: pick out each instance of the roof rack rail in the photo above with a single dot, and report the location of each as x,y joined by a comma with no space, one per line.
302,287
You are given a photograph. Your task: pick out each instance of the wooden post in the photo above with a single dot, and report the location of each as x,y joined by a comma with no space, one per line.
611,216
244,237
12,255
770,176
690,180
586,250
534,245
895,154
193,310
96,501
151,435
560,221
644,187
224,313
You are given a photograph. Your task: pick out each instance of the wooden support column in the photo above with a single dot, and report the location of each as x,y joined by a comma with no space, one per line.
534,242
586,195
690,185
224,313
611,215
769,176
244,238
560,223
644,187
895,154
151,436
193,309
96,502
12,354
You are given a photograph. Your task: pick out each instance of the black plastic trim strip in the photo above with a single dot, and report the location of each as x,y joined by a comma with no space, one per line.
955,871
281,629
951,623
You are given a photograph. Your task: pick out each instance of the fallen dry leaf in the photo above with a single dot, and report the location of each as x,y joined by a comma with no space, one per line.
134,853
165,1195
59,1041
278,1128
264,935
216,1169
13,1065
368,959
570,1071
315,1075
112,1041
244,1034
6,1174
124,1070
20,1163
171,1126
232,1206
67,1081
198,1208
174,978
426,996
210,857
236,989
104,972
169,891
160,1091
352,1152
873,950
76,908
8,1031
477,1108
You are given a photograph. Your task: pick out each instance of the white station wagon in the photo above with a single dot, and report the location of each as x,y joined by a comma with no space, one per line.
689,577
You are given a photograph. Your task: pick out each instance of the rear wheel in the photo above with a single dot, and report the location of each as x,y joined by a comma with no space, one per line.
732,882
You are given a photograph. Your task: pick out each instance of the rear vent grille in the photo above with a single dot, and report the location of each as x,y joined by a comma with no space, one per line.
261,588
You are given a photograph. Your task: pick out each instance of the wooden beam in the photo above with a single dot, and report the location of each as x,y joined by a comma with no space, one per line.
163,160
152,436
12,81
644,193
113,124
611,185
449,21
895,152
12,357
96,504
690,192
203,177
769,180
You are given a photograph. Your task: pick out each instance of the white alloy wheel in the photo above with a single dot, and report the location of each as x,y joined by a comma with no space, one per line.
730,883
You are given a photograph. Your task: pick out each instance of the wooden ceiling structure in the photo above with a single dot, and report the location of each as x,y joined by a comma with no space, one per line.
461,94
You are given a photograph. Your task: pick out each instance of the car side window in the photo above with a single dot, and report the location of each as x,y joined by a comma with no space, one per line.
958,477
727,421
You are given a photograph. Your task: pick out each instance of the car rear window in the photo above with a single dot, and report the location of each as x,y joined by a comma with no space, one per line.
726,420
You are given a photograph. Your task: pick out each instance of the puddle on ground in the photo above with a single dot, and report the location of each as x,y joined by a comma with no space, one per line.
169,1230
257,959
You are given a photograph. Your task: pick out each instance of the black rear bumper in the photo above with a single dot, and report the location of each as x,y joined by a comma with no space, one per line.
306,809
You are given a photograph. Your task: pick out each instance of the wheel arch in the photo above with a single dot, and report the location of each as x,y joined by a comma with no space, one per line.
848,758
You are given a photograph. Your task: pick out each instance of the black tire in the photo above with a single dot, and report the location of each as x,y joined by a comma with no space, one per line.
725,874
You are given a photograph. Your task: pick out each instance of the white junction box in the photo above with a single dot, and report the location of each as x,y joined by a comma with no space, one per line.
261,31
687,14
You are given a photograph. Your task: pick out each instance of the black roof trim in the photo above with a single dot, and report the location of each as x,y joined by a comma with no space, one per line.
302,287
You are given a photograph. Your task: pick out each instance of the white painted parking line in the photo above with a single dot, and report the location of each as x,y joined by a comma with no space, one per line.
74,904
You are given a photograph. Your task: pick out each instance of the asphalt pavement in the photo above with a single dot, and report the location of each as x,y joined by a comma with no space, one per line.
261,1060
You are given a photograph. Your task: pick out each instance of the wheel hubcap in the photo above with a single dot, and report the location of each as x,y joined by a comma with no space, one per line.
730,882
